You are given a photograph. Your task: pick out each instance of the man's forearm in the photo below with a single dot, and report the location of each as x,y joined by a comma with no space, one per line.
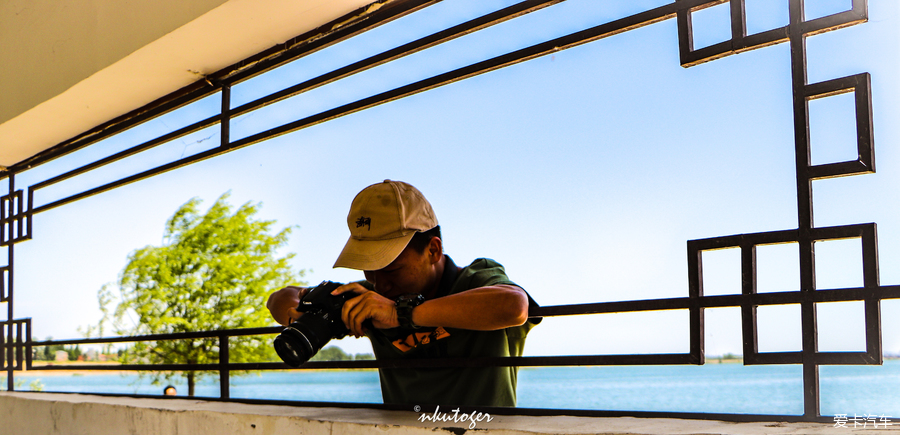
480,309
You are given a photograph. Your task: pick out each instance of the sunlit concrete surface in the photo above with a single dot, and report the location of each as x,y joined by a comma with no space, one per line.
71,65
48,414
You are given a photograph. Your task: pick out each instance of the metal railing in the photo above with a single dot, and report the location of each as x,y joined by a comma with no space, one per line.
18,208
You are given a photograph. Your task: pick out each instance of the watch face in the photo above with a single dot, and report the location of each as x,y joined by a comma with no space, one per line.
411,299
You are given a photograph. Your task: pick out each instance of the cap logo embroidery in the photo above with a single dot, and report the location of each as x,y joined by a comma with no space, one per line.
364,221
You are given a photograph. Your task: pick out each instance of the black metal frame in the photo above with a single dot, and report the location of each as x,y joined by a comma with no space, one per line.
16,213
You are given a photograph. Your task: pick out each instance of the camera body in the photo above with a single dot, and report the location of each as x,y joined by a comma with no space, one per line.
320,322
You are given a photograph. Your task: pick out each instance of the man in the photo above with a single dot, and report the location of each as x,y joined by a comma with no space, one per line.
422,305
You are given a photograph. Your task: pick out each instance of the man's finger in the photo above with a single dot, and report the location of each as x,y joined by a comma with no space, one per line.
353,286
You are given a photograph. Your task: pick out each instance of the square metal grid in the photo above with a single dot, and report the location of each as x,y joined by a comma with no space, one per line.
15,343
741,41
860,85
15,218
750,299
806,233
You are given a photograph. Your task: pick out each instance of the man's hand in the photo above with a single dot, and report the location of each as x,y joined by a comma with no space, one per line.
368,305
283,304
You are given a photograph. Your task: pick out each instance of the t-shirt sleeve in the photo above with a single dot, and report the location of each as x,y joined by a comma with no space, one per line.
486,272
483,272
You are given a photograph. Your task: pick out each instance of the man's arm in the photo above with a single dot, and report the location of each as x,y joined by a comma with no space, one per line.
481,309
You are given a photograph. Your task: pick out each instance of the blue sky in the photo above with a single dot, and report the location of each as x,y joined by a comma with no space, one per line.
584,172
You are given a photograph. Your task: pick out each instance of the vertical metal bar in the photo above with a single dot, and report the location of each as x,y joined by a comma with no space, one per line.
8,355
28,348
3,203
864,130
738,23
9,295
225,116
28,214
19,345
685,33
871,279
695,292
224,373
748,311
804,209
20,220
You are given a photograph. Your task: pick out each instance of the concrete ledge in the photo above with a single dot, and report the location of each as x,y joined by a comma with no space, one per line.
47,413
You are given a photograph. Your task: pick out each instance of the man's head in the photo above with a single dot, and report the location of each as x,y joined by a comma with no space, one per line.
383,218
394,238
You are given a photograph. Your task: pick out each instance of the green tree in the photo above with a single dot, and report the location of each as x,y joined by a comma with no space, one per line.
46,353
213,271
331,353
74,352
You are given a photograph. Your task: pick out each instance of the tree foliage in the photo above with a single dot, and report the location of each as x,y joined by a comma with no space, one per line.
213,271
334,353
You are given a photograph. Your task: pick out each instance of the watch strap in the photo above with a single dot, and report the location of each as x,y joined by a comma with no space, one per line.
405,305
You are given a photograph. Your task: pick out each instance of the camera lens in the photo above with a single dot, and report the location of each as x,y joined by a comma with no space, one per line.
302,339
293,347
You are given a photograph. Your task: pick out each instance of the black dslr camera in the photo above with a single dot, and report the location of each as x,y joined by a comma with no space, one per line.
320,322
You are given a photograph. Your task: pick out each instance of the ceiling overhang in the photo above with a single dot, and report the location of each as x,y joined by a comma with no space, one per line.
81,63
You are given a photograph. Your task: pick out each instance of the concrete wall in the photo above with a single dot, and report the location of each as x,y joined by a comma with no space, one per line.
74,414
69,65
54,44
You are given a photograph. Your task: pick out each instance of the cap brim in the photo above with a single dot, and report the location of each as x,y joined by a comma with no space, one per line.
372,254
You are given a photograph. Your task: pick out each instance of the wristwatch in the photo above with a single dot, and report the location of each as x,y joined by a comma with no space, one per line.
405,305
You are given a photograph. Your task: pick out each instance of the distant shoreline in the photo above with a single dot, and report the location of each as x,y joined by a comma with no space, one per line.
72,368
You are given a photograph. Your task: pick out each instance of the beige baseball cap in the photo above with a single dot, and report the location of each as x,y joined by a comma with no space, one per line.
383,219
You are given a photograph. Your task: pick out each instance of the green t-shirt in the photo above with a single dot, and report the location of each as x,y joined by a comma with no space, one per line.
453,386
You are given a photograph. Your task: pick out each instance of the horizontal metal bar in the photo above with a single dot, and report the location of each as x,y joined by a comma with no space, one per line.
845,358
738,240
407,49
317,39
773,358
774,298
529,361
611,307
129,367
856,15
197,126
842,85
134,178
161,106
841,169
158,337
762,358
763,39
522,55
840,232
522,361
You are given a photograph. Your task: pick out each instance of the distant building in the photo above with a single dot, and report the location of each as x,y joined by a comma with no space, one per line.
61,355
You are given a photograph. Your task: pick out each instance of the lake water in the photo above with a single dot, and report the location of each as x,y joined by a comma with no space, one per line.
714,388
